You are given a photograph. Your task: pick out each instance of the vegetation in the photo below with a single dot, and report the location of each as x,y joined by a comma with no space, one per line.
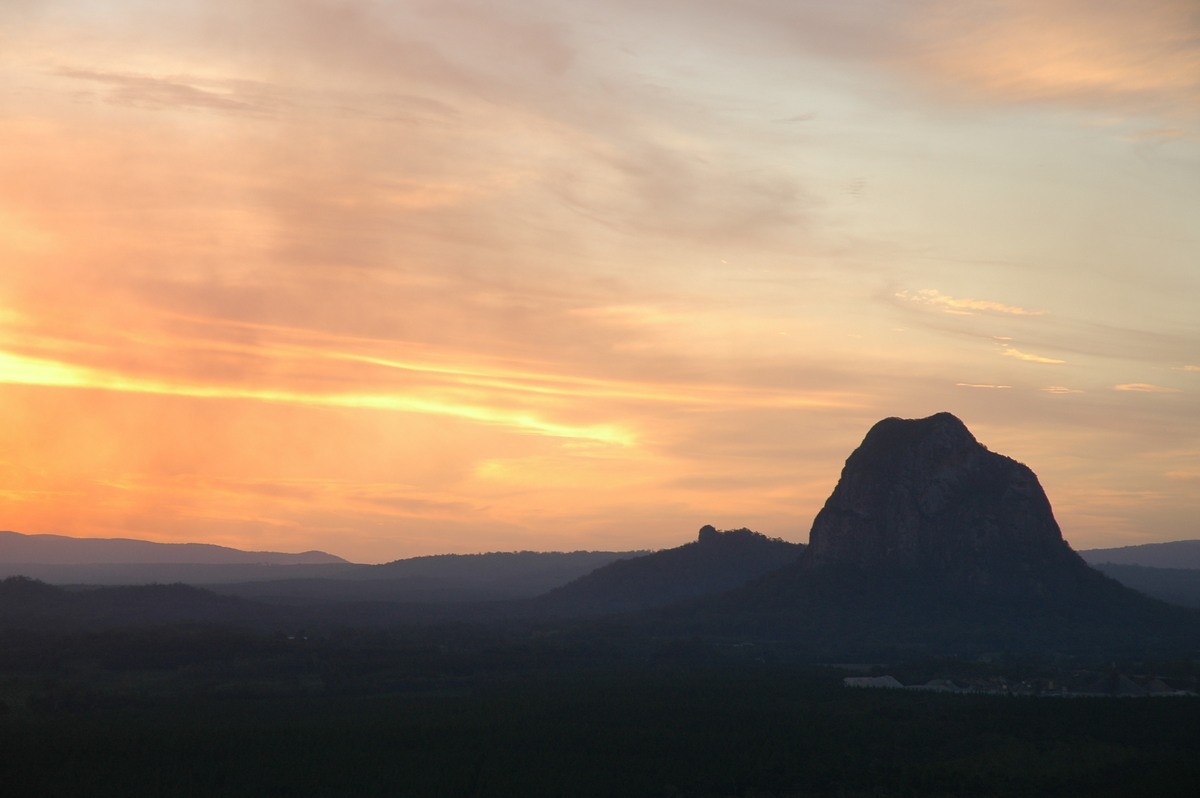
471,710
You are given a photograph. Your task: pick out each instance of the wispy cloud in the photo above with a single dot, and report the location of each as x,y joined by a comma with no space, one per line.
146,91
1009,351
563,275
1144,387
963,306
1137,59
20,370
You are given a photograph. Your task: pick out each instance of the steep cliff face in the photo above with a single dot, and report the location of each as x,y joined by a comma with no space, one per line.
923,494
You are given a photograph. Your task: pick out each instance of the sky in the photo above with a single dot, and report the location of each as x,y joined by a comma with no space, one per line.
389,279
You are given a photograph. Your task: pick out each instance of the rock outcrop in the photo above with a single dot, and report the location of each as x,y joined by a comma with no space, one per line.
715,562
923,494
931,544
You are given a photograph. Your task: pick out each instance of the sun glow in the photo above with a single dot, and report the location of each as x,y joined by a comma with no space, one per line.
574,284
34,371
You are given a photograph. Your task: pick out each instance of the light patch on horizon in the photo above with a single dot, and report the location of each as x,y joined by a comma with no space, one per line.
1060,389
962,306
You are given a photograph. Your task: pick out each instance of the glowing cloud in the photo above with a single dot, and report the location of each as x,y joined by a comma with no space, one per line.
964,307
1008,351
1144,387
416,277
33,371
1137,57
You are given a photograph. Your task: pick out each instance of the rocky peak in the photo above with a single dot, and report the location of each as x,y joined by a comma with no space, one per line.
710,536
924,494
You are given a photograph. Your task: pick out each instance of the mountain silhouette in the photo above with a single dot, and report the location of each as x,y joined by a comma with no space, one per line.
16,547
924,495
1172,554
931,543
713,563
439,578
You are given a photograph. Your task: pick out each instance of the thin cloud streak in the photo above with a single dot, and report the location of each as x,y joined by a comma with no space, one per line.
1009,351
949,304
1142,387
30,371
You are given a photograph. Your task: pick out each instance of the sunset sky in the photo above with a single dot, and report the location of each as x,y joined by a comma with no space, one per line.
400,278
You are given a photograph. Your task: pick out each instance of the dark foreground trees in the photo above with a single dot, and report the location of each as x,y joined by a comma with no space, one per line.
460,712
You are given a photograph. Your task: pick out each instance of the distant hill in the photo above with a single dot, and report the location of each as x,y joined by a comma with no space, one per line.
713,563
31,604
306,578
1175,554
62,550
1174,585
494,576
170,573
63,560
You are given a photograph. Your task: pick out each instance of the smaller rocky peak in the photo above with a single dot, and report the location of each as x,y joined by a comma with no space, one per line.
708,534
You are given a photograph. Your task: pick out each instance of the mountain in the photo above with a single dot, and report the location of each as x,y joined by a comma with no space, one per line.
455,578
931,543
713,563
1173,585
306,578
62,550
1167,571
63,560
1175,554
924,495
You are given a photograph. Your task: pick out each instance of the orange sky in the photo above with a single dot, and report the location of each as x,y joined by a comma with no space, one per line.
389,279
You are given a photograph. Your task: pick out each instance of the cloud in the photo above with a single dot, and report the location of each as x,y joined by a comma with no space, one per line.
144,91
1009,351
1129,61
1059,389
20,370
1186,368
1137,59
524,267
1143,387
949,304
